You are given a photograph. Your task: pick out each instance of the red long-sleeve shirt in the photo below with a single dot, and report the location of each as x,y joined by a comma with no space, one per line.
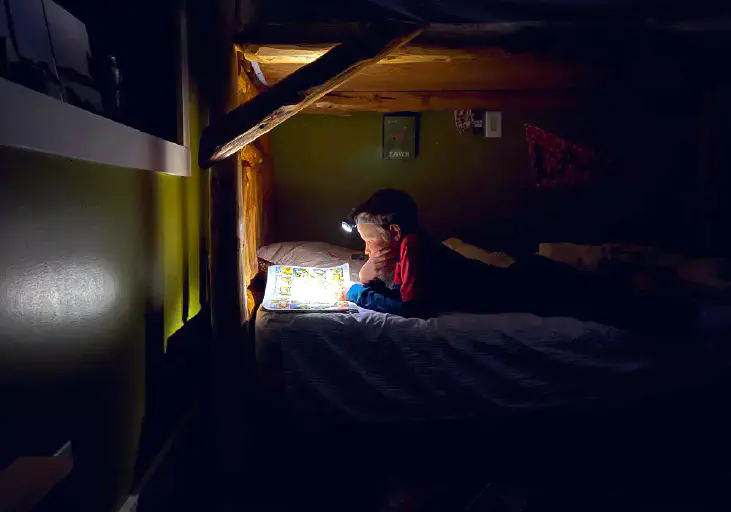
409,269
431,274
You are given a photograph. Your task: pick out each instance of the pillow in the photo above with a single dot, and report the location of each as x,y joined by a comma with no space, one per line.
709,272
699,274
311,254
586,257
496,259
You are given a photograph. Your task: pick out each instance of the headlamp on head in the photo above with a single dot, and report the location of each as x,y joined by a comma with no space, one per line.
348,224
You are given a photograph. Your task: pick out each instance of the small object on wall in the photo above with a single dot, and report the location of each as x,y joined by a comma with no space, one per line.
560,162
462,120
478,122
399,136
493,125
469,121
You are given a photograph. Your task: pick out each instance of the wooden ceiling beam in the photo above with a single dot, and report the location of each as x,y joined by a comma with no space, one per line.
332,33
517,72
600,35
411,54
300,89
339,103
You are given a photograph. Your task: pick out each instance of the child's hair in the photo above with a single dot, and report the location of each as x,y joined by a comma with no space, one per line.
389,206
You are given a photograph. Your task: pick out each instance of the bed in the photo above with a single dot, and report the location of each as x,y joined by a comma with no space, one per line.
549,403
368,367
364,367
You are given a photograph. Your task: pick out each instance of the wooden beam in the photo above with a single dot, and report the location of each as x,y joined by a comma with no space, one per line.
517,72
296,33
601,40
299,90
411,54
413,101
219,72
439,34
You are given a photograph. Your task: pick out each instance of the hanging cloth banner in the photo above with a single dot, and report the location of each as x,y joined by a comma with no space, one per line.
559,162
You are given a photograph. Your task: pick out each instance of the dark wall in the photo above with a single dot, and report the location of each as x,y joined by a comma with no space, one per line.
74,273
714,161
484,189
93,266
99,266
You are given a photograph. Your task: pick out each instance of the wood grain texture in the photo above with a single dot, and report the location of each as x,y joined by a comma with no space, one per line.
300,89
411,54
486,73
343,102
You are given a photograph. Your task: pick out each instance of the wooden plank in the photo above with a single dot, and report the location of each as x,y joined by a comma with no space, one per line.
338,102
299,90
219,73
411,54
440,34
528,35
517,72
296,33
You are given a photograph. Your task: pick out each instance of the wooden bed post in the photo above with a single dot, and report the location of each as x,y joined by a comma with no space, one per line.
231,356
225,176
299,90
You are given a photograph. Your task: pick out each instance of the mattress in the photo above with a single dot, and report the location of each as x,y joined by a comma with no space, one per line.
368,367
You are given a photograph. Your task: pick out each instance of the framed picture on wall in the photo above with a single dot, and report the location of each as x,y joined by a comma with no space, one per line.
400,136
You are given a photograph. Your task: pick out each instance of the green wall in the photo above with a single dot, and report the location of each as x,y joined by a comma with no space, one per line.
74,271
94,265
483,189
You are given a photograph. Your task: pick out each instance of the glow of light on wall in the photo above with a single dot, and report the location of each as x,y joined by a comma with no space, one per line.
59,292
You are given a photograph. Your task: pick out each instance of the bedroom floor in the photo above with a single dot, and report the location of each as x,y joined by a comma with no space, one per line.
281,473
295,474
243,458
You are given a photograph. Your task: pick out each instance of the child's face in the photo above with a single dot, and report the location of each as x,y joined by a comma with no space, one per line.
374,239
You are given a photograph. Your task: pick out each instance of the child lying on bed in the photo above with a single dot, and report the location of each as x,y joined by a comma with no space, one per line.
429,278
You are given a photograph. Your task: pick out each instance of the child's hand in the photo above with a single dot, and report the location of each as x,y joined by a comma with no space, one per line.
381,262
344,291
384,260
368,272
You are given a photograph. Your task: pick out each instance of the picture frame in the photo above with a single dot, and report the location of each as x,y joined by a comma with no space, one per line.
400,136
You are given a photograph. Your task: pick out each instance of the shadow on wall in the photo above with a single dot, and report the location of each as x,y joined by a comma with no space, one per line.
484,189
75,302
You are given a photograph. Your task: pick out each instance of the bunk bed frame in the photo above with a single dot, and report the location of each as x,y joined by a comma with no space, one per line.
277,70
398,66
282,70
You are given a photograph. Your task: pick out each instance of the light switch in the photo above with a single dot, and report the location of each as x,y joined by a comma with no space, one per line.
493,124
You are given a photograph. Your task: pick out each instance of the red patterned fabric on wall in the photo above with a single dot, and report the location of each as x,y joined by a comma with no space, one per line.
559,162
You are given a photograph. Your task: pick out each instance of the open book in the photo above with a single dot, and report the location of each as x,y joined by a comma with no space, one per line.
305,288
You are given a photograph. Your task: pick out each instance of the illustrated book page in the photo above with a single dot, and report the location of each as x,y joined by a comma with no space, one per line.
291,288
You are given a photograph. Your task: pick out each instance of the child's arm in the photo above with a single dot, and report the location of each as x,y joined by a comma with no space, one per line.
377,296
410,299
413,274
380,263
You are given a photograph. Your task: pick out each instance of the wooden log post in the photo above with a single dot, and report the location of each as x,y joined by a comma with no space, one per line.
299,90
